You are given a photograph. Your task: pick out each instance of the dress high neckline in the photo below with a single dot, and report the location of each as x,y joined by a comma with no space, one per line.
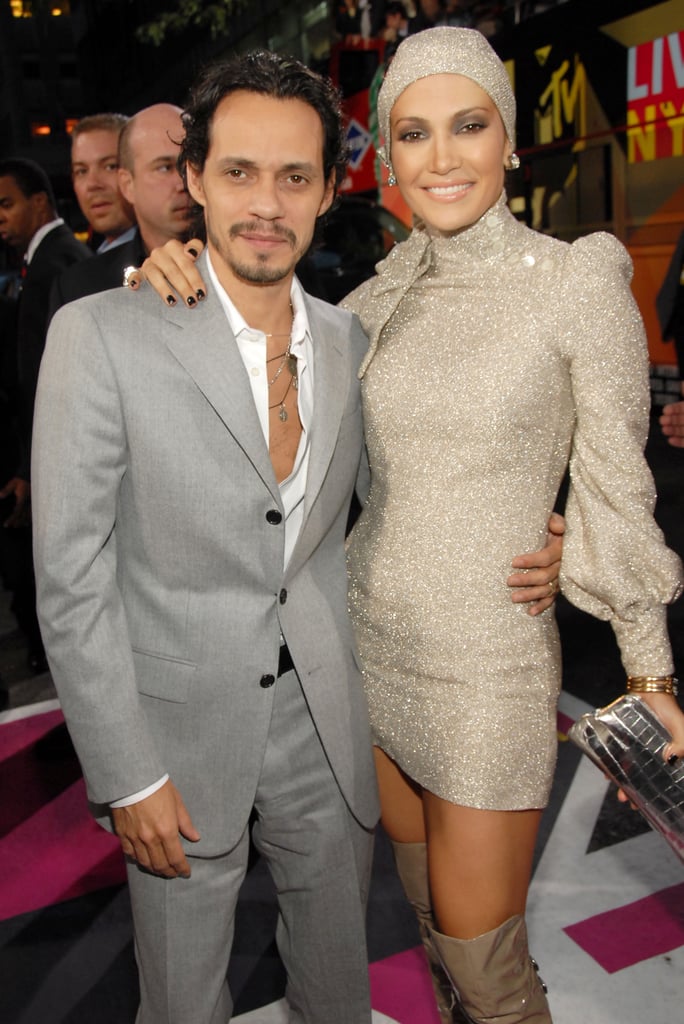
489,238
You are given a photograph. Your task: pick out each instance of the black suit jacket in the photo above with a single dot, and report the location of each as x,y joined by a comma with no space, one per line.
9,437
98,275
59,249
670,303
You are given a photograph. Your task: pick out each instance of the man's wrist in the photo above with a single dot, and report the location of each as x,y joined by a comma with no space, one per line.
135,798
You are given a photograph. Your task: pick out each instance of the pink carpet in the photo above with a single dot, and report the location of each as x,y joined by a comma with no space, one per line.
649,927
55,848
401,988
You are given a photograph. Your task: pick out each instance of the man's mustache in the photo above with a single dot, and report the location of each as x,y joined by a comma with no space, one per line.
272,231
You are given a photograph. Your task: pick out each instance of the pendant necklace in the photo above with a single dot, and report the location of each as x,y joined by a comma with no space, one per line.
289,361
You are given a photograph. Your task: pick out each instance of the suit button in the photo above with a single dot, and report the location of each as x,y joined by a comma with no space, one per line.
266,681
273,516
282,596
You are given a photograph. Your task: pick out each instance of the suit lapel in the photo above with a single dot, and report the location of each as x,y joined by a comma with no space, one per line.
331,385
330,397
206,348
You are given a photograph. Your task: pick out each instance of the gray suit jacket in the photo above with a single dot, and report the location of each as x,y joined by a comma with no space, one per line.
161,587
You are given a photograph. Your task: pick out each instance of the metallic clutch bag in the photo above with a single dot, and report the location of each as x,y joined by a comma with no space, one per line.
626,740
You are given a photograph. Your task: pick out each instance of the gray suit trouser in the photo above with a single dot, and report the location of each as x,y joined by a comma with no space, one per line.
320,860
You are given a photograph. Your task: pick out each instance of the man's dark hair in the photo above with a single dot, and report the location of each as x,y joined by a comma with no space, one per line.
29,176
396,8
268,74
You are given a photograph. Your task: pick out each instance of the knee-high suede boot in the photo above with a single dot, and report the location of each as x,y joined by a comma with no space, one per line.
494,976
412,868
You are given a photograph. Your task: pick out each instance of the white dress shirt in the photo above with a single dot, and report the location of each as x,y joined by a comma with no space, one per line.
251,344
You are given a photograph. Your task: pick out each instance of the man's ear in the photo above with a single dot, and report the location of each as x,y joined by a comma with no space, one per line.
44,209
126,185
328,195
195,186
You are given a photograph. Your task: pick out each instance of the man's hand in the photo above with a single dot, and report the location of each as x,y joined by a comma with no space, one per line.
21,514
150,832
537,584
171,269
672,423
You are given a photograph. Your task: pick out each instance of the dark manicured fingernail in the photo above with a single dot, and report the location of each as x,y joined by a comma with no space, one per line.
673,758
200,293
193,252
191,300
171,300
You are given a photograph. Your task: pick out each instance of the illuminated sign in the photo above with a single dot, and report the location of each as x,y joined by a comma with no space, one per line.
562,106
655,99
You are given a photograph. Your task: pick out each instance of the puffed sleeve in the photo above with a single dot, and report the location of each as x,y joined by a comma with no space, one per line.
616,565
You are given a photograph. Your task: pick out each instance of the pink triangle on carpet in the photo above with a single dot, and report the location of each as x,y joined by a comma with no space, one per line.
652,926
401,988
56,854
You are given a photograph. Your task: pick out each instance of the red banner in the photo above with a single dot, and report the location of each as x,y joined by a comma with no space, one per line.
655,99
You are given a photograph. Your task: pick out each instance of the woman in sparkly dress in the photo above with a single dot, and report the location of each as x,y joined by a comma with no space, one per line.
498,357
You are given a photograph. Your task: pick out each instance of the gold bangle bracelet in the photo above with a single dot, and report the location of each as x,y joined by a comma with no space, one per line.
652,684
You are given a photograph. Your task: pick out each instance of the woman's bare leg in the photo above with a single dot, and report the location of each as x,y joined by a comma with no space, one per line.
480,864
402,816
401,801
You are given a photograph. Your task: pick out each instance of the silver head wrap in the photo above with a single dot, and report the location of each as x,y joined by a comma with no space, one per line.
451,51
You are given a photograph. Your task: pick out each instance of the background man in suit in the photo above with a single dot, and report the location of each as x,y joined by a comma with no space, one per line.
148,174
29,223
149,145
670,308
95,177
193,477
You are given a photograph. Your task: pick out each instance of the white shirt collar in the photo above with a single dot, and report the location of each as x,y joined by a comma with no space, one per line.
300,324
113,243
40,235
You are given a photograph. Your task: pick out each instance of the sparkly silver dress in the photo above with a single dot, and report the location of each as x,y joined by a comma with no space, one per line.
497,356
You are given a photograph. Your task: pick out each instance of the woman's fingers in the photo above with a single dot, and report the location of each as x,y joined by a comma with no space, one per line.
171,271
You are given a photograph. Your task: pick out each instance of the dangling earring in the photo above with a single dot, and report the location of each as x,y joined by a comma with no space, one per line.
513,162
382,153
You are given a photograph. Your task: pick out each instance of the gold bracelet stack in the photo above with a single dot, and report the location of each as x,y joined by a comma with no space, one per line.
652,684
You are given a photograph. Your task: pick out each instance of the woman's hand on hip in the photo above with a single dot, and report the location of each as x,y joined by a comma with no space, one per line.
536,584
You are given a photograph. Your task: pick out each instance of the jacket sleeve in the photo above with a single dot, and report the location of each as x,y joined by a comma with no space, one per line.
79,459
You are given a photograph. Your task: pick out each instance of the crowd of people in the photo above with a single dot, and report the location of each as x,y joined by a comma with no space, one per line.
234,668
391,21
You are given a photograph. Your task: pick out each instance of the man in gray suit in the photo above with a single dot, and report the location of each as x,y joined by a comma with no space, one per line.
193,475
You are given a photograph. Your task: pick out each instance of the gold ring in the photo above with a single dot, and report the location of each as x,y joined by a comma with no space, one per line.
553,585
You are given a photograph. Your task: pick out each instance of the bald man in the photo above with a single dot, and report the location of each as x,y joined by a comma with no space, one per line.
149,181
